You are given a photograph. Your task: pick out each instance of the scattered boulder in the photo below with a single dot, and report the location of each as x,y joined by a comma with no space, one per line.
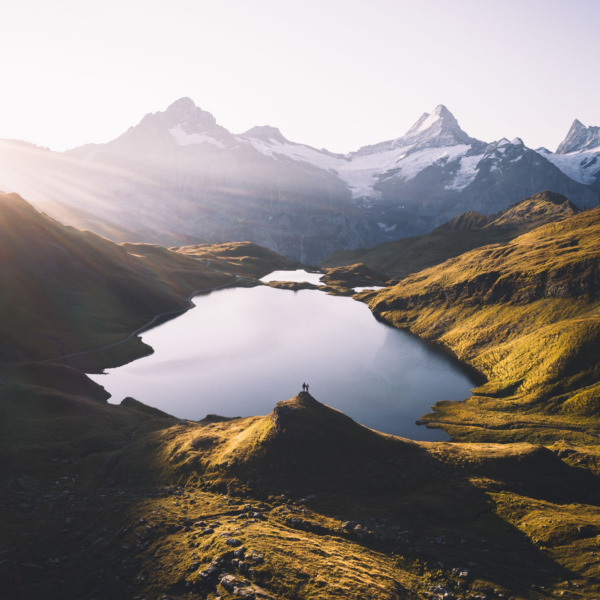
233,542
229,582
211,573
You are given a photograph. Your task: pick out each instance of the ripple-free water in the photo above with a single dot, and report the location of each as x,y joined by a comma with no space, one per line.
241,350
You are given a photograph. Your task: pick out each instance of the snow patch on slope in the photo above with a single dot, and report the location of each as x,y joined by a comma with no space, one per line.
363,171
466,173
583,167
273,147
360,172
413,163
188,139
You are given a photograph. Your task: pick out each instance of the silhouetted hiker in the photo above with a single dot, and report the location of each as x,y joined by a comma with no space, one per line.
304,387
307,388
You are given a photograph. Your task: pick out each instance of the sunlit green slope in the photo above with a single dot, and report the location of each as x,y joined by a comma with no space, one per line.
526,314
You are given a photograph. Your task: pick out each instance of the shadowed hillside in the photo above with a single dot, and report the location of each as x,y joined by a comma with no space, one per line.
65,290
74,301
465,232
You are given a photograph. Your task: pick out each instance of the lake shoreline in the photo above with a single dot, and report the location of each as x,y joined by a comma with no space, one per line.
265,342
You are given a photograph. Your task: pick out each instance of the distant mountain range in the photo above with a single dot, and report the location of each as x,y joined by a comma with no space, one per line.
178,177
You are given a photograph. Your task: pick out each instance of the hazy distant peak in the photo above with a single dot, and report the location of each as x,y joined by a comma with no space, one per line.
182,106
182,123
189,117
576,129
265,133
579,138
441,111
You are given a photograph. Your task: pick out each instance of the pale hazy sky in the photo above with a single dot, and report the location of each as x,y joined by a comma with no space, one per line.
337,74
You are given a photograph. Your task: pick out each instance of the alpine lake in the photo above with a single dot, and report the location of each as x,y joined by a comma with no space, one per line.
242,350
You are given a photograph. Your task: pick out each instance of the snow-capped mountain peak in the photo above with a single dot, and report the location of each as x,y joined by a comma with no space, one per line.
578,155
183,115
182,123
436,129
579,138
440,118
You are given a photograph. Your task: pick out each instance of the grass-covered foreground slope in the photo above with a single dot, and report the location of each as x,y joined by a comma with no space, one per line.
466,232
526,314
303,503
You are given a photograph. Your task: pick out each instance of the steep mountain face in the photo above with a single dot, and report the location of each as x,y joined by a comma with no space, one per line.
579,138
578,155
178,177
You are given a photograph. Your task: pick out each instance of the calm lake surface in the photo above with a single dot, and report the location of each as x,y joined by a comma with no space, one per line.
242,350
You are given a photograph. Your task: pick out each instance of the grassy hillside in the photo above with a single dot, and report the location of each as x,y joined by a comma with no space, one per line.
241,258
526,314
300,504
352,276
470,230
